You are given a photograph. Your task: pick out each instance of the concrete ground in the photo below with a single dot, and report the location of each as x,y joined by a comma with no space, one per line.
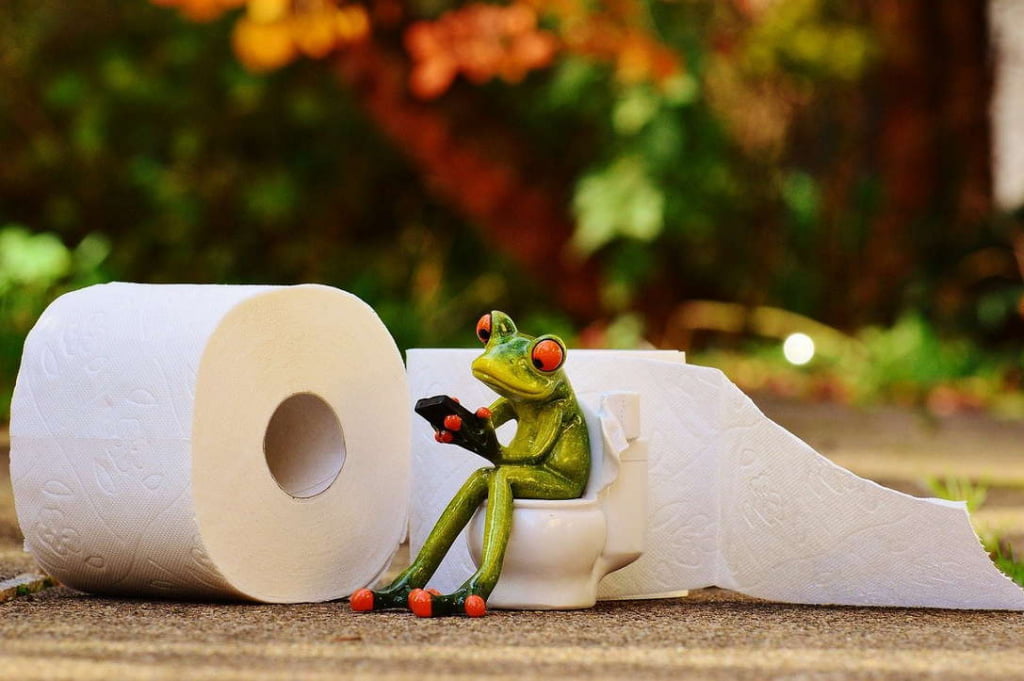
713,634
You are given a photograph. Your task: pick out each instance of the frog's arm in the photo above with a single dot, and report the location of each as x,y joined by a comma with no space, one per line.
547,427
501,413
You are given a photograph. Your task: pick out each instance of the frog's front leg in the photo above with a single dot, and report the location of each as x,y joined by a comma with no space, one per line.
498,414
506,484
455,516
534,441
495,416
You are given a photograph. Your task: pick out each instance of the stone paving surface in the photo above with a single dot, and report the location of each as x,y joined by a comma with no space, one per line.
713,634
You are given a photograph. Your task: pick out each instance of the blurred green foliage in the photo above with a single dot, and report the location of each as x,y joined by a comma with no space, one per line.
694,176
34,269
907,363
135,147
974,493
959,489
121,123
1006,560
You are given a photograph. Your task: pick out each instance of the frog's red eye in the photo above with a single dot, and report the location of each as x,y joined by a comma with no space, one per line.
548,355
483,328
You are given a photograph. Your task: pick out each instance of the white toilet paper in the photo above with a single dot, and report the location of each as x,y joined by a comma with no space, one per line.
211,441
734,500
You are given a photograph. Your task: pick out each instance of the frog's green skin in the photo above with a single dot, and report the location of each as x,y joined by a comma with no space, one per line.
548,458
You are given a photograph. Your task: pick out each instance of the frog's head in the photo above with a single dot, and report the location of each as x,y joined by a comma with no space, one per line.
517,366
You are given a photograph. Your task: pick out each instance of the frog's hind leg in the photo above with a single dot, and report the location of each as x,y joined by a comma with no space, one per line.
506,484
455,516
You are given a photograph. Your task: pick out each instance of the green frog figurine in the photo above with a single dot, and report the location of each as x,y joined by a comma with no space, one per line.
548,458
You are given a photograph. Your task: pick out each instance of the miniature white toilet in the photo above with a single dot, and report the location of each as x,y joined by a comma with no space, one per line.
559,551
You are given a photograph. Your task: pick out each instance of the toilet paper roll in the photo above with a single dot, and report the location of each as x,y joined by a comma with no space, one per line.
211,441
734,500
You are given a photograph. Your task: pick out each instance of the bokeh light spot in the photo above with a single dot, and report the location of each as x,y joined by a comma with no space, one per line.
798,348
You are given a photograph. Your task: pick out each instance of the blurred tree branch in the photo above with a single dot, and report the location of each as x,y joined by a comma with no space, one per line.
932,147
479,171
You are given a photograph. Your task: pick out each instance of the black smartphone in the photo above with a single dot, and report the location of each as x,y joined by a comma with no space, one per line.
475,434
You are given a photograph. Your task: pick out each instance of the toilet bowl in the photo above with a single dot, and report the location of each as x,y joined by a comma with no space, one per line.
559,550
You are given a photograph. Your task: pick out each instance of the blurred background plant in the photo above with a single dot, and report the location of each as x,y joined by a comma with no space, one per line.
34,269
798,191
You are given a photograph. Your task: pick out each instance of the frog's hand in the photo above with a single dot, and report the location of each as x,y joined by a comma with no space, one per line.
498,414
454,424
479,434
472,432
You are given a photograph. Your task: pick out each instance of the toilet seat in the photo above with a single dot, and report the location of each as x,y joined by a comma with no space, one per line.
559,549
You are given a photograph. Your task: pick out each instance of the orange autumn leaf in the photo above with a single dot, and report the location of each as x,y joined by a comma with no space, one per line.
423,40
315,33
430,79
534,50
479,41
519,19
273,32
352,23
268,11
263,47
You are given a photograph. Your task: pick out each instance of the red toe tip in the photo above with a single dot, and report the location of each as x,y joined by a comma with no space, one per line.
476,606
421,602
361,600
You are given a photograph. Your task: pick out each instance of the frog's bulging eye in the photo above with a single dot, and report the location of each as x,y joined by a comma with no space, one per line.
548,355
483,328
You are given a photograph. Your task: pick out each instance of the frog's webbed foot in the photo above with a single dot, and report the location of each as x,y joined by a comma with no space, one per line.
395,596
462,602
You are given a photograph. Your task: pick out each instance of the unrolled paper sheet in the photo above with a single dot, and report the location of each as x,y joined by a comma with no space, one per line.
734,499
